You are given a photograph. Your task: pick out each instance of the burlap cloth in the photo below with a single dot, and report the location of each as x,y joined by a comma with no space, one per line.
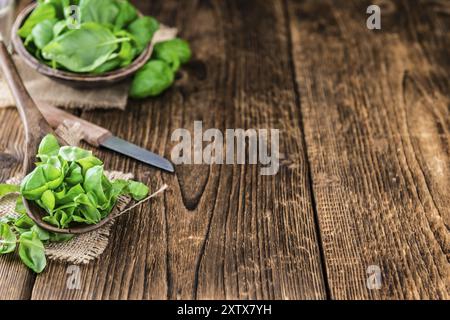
44,90
86,247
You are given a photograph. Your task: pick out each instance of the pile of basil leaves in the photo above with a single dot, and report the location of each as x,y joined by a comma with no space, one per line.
109,35
70,185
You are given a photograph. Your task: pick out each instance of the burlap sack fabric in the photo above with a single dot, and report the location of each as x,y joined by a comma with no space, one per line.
86,247
44,90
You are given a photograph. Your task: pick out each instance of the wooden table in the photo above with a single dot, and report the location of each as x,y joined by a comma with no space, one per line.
364,179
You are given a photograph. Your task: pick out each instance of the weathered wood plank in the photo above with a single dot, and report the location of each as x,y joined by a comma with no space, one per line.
376,118
220,231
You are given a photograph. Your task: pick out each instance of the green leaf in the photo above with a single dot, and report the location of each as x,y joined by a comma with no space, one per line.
143,30
59,27
7,189
48,200
93,182
83,49
43,11
7,239
74,153
74,175
89,162
32,252
42,33
151,80
87,209
43,235
100,11
137,190
49,146
20,208
174,52
58,237
127,14
70,196
34,184
24,222
108,66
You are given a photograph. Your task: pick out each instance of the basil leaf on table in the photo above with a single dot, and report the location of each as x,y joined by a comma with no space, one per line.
137,190
82,50
174,52
43,11
32,252
151,80
7,239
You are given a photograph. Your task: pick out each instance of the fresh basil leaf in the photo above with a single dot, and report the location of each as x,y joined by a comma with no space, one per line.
108,66
74,153
137,190
24,222
34,184
127,14
74,175
32,252
49,146
173,52
83,49
43,235
151,80
20,208
48,200
7,239
88,210
143,30
59,27
58,237
42,33
100,11
70,196
7,189
43,11
93,182
89,162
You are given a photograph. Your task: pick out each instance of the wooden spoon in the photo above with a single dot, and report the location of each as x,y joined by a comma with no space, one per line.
36,128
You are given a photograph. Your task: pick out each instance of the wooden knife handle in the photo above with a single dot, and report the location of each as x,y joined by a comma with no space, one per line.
92,134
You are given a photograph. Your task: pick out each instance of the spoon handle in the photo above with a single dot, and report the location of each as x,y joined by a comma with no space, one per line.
36,127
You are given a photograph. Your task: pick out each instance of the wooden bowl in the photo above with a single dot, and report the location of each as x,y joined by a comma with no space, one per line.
71,78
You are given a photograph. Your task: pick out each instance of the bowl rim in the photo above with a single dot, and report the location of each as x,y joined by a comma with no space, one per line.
115,75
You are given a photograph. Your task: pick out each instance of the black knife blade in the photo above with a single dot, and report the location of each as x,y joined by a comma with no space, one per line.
133,151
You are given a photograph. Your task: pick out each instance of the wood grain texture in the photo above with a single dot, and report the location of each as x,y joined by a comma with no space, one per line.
375,108
220,231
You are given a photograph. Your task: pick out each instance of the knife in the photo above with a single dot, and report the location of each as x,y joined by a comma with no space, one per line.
101,137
